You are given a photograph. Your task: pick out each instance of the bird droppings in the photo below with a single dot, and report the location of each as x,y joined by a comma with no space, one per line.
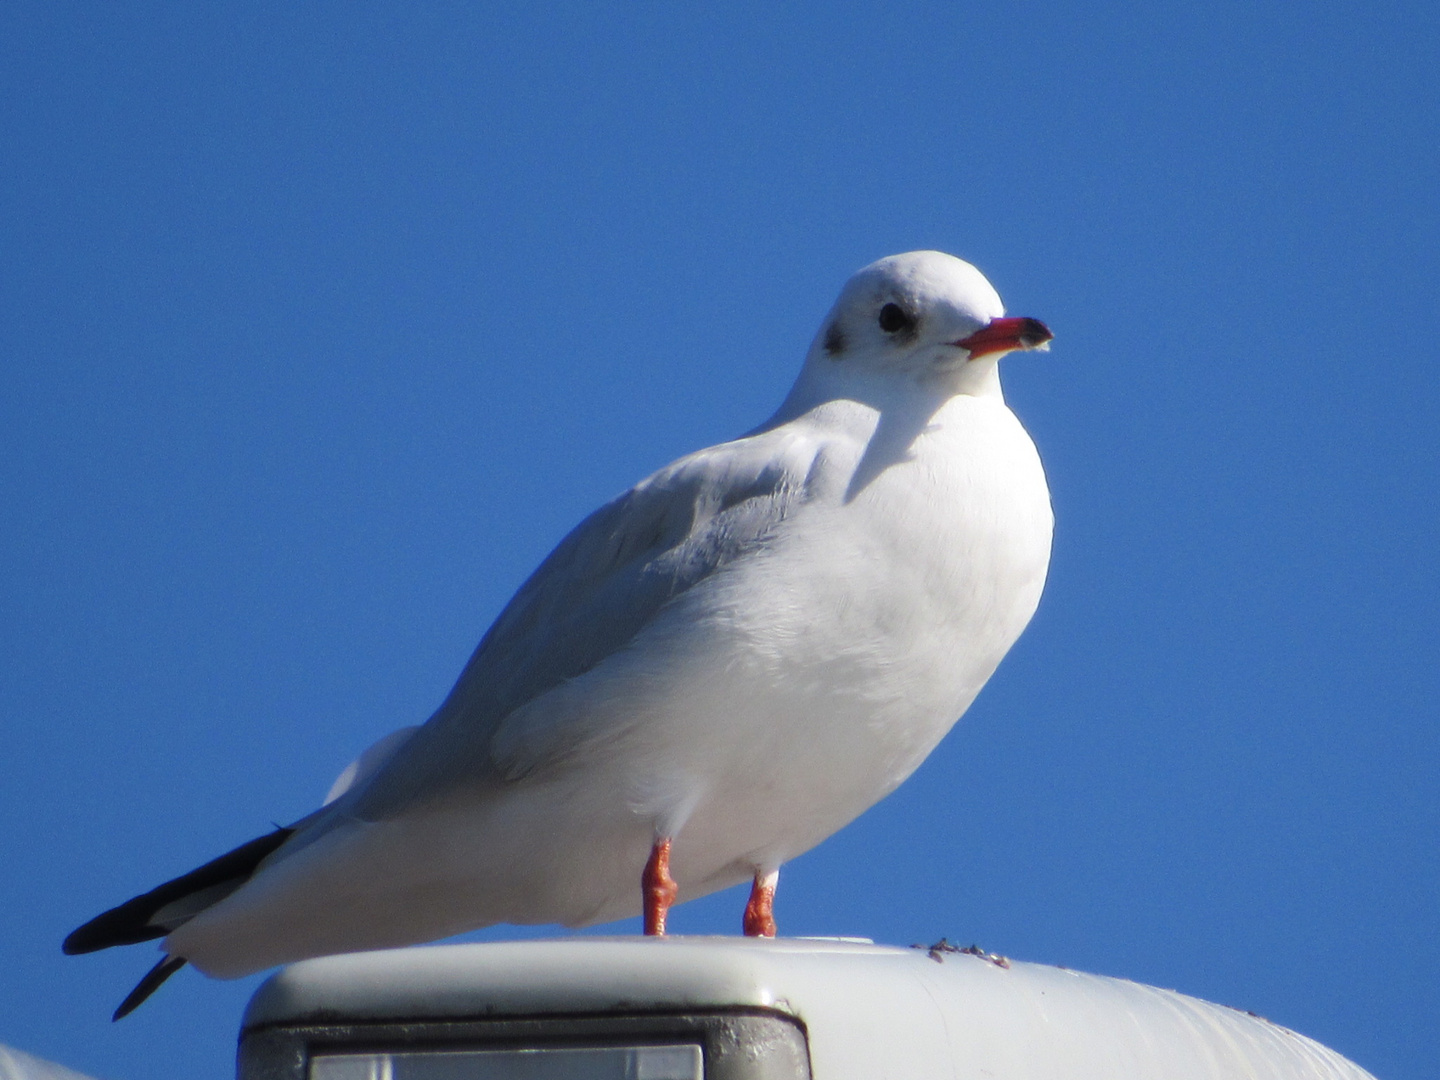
937,952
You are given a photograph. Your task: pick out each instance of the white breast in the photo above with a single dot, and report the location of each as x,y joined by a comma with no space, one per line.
805,683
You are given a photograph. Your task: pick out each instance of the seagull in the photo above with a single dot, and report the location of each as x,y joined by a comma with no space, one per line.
711,674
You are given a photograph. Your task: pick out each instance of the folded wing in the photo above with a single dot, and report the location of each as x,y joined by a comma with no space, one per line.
601,586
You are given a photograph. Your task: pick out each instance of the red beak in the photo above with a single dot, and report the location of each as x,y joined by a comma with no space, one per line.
1005,335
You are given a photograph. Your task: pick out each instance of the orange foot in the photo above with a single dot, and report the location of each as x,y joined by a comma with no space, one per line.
760,911
658,888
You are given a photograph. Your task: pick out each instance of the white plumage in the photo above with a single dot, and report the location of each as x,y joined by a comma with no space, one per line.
743,652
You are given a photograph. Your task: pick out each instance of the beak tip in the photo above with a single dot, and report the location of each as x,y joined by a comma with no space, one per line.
1034,334
1007,335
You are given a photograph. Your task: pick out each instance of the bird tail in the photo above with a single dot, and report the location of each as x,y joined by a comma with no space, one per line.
159,911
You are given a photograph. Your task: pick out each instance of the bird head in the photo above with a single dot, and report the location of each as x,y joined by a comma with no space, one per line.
923,319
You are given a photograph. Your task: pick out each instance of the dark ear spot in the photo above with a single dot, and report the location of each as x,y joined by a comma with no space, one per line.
834,341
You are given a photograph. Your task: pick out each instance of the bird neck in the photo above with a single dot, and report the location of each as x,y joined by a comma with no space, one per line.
822,380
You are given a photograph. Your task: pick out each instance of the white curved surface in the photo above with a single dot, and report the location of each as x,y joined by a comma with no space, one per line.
871,1012
18,1065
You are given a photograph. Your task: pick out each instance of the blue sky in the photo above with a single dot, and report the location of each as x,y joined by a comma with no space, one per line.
322,323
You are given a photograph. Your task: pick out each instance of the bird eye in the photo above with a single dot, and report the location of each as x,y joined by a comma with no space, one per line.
893,317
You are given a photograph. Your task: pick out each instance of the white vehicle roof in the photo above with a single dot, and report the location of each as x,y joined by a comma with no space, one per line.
869,1012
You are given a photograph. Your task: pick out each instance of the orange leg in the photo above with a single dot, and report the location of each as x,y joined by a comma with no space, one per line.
760,911
658,888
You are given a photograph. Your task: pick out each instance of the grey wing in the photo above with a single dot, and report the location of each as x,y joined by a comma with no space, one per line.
603,584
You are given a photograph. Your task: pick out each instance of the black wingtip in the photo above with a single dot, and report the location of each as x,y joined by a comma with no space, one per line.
148,985
130,923
124,925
